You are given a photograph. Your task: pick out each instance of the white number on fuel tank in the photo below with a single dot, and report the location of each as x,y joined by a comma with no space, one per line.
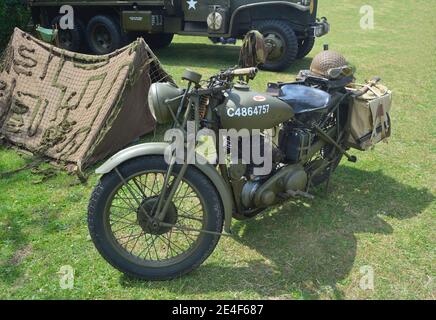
248,111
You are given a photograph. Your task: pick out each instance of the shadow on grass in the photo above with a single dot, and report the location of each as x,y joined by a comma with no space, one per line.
20,222
211,56
15,235
307,247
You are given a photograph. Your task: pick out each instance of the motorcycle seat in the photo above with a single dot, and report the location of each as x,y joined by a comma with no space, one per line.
304,99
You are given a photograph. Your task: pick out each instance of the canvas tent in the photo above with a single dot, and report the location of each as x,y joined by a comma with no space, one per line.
72,107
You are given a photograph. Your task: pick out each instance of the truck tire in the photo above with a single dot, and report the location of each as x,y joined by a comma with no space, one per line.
71,40
281,38
305,46
103,35
158,40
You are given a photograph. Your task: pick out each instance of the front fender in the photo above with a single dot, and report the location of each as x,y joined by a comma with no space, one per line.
159,149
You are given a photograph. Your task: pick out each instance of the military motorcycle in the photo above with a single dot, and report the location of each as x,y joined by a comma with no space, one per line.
154,217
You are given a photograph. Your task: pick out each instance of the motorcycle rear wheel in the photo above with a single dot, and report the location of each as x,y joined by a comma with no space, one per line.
325,174
125,239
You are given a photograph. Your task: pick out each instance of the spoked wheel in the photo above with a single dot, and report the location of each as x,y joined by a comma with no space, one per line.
327,153
331,154
132,243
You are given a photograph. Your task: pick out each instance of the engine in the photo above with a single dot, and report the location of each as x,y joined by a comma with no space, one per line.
261,192
294,142
289,178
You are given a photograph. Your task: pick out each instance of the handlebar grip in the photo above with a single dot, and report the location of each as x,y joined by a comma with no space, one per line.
244,71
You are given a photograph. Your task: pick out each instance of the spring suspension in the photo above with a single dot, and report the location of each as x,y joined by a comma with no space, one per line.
202,109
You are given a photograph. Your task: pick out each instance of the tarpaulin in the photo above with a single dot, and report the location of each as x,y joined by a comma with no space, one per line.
72,107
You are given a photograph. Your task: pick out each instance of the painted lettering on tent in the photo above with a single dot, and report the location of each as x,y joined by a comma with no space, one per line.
72,107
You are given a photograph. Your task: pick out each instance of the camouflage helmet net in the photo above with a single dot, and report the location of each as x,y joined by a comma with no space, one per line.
326,60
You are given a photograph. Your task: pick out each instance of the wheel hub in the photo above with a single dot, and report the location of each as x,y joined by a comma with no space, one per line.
275,46
102,37
151,227
65,38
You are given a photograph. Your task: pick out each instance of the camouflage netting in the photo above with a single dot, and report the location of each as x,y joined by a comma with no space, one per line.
75,108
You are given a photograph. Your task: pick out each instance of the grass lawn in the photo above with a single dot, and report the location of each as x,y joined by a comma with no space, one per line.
380,213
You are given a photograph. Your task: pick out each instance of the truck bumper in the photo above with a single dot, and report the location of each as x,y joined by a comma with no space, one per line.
321,28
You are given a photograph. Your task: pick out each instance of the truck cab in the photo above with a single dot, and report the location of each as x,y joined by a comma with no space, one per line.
101,26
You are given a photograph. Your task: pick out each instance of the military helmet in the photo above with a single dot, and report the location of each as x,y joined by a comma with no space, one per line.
253,51
330,64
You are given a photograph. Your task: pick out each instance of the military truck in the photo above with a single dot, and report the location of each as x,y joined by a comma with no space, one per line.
101,26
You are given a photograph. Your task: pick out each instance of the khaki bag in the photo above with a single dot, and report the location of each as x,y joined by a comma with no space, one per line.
370,121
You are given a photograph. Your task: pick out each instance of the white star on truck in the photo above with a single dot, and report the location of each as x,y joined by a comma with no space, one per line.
192,4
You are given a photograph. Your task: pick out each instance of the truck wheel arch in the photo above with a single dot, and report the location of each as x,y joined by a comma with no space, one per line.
284,6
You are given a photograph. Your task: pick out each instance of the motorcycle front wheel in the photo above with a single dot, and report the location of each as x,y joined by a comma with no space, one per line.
124,237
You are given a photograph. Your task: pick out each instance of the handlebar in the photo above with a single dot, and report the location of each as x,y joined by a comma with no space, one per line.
244,71
230,73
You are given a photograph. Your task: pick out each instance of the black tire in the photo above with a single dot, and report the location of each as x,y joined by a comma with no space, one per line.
158,40
71,40
330,152
103,35
103,238
305,46
283,30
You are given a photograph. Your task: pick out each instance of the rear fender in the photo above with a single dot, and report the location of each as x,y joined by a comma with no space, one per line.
159,149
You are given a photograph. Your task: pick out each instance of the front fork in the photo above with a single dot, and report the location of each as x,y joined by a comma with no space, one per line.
164,201
168,191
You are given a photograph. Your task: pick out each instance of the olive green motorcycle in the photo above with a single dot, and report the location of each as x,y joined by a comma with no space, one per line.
155,216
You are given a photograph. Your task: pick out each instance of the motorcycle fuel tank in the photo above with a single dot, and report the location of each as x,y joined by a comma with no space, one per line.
246,109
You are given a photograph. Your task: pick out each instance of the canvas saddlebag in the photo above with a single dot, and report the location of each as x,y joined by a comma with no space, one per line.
369,116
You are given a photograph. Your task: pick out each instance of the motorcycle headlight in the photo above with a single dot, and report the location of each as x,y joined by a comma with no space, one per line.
162,97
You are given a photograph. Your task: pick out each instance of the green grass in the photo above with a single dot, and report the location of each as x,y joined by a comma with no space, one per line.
380,212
